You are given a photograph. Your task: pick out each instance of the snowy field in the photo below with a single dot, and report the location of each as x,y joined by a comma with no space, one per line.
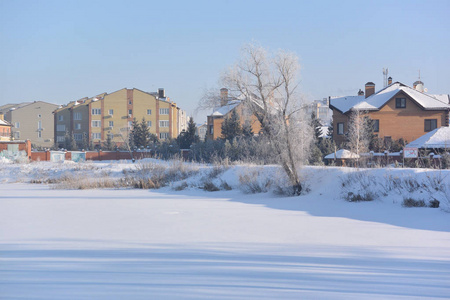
192,244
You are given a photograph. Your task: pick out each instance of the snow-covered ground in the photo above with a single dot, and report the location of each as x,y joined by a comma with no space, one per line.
193,244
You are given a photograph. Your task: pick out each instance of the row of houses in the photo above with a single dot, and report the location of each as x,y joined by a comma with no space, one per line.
92,119
398,111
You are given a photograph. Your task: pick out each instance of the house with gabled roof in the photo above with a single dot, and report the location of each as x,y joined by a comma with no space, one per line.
398,111
227,106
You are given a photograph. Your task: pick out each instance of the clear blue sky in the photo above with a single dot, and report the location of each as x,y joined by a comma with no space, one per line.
59,51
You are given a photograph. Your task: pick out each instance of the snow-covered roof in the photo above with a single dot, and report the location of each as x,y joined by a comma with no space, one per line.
223,110
378,99
437,138
3,122
342,153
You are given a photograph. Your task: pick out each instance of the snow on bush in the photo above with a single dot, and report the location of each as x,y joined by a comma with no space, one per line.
406,187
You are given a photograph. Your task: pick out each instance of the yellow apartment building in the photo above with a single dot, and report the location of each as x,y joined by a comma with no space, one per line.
91,120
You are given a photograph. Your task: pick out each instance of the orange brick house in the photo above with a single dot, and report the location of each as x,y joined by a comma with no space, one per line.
399,111
5,129
227,105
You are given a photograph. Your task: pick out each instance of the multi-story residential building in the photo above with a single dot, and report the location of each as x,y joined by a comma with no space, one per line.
321,110
201,131
398,111
91,120
183,120
227,105
32,121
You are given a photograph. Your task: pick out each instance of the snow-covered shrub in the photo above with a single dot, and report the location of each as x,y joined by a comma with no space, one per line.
364,196
225,186
210,186
181,186
359,186
410,202
253,181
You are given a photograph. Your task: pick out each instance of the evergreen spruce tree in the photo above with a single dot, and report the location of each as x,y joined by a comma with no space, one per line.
189,137
85,142
132,138
231,126
73,143
109,145
247,130
143,134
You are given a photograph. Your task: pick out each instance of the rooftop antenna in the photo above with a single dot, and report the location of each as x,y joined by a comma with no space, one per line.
385,77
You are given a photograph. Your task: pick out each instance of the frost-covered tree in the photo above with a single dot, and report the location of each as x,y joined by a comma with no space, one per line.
360,132
270,86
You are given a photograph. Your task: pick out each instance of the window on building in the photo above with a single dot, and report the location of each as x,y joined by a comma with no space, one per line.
96,123
39,116
61,127
376,125
130,102
163,123
96,135
60,118
130,124
39,134
111,112
78,126
111,123
163,135
149,111
400,102
77,116
130,112
17,125
39,125
163,111
149,123
17,135
430,124
96,111
340,128
60,138
78,136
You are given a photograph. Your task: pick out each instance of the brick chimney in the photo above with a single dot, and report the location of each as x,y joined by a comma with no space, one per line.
389,80
223,96
370,89
161,93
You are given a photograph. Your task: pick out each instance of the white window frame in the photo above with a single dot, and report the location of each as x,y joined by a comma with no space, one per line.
164,111
96,111
111,112
77,126
111,124
77,116
60,118
96,136
163,135
164,123
17,125
149,123
61,127
149,111
96,123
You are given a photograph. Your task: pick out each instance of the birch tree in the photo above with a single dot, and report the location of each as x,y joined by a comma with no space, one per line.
269,84
360,130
